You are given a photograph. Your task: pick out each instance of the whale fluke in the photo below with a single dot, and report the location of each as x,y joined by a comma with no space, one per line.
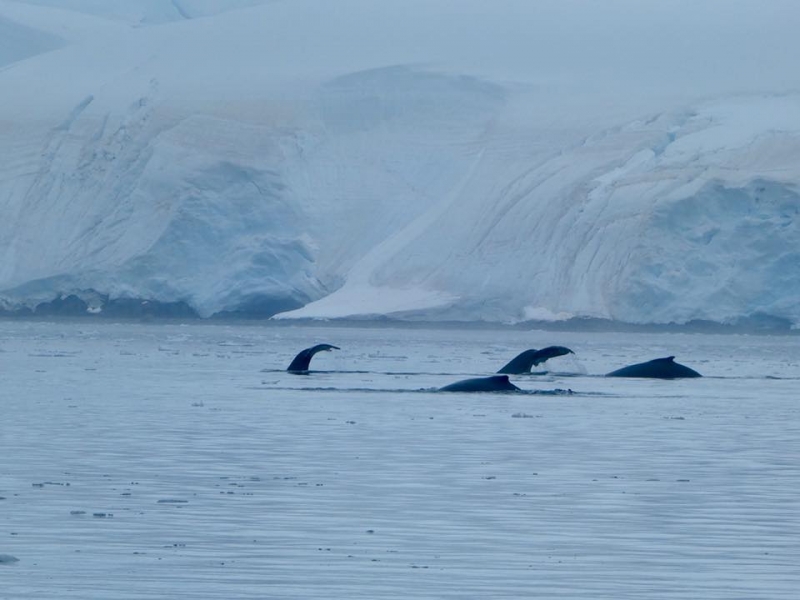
495,383
523,362
302,360
659,368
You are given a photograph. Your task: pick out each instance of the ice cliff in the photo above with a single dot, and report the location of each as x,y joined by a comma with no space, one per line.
435,160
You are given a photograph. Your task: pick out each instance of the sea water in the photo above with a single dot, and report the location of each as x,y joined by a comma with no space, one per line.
161,461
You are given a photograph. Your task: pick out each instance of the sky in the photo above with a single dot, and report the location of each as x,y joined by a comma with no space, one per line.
608,47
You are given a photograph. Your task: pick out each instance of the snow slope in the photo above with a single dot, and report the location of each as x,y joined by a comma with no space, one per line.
440,160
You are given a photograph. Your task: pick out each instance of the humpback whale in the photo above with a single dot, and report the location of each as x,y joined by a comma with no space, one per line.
659,368
302,360
495,383
523,362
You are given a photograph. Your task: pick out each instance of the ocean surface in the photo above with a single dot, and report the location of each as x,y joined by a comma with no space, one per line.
154,461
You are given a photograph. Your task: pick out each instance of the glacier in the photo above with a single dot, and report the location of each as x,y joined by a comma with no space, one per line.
420,160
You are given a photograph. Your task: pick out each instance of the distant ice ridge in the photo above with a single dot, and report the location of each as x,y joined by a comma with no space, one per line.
193,156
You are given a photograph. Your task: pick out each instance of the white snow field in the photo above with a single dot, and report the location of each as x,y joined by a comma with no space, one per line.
182,461
428,159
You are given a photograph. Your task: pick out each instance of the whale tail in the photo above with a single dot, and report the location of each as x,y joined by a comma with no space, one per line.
523,362
303,359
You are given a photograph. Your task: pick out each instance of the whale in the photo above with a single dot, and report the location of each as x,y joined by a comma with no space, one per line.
523,362
495,383
659,368
303,359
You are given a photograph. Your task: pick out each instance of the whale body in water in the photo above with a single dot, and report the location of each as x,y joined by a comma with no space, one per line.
495,383
659,368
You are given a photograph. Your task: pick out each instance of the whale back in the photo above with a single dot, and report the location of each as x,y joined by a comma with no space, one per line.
658,368
495,383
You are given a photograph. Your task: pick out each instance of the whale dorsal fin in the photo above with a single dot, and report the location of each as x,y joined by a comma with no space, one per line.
666,359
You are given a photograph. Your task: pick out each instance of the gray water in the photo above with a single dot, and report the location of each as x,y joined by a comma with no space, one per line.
181,461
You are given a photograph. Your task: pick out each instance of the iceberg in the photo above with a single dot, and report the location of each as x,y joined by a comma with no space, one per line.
239,158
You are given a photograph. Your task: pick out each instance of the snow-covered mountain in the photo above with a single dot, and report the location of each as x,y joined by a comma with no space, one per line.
437,159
